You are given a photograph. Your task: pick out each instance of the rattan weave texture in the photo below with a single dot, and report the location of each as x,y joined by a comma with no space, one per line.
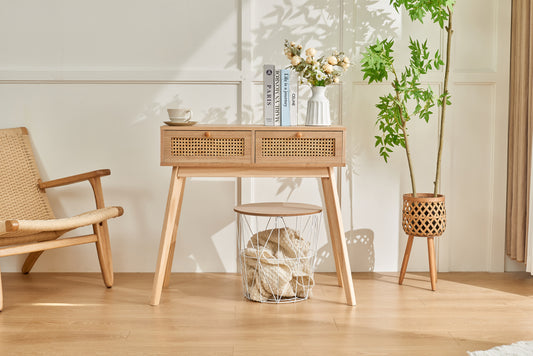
20,197
206,147
424,216
297,147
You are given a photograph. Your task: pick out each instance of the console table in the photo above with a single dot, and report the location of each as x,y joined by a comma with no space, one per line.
252,151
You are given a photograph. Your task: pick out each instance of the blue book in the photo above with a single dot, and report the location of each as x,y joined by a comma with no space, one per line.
285,100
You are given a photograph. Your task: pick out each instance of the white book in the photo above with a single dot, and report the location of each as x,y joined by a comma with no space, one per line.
293,92
268,93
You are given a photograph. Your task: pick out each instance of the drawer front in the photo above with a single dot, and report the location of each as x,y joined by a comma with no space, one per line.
204,146
306,148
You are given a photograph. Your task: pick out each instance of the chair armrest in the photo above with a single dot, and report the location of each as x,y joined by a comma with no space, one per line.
74,179
11,225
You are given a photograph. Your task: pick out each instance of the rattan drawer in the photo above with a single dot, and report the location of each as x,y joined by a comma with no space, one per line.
309,148
199,147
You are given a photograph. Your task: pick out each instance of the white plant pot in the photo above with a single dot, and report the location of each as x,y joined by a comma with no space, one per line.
318,108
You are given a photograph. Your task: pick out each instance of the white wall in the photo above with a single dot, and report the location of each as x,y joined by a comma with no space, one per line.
91,80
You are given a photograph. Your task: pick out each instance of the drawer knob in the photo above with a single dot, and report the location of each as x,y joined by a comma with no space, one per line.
207,134
299,135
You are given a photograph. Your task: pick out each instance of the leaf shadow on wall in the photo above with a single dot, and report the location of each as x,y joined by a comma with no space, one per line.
360,248
156,111
206,220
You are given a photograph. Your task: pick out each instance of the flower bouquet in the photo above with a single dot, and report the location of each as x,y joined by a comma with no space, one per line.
318,72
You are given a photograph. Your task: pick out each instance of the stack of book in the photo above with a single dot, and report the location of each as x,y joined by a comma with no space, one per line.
280,96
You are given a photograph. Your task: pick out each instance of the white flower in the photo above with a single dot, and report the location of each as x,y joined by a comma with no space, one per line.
316,66
295,60
327,68
320,76
336,80
332,60
309,60
310,52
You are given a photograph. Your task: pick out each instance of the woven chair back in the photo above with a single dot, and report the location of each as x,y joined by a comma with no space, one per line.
20,196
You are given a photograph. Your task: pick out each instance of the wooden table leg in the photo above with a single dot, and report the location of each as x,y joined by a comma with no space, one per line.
174,233
331,227
338,238
170,222
405,261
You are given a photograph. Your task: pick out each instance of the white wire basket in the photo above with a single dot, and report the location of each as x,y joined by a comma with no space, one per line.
277,248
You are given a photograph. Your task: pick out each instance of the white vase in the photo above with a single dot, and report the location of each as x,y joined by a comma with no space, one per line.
318,108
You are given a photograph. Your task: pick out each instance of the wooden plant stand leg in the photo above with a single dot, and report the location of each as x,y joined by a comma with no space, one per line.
171,214
406,258
174,233
432,263
338,239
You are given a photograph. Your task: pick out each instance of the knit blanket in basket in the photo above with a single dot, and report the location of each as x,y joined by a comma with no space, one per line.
277,264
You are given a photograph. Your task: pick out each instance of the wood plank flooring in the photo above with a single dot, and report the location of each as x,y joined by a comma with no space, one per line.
205,314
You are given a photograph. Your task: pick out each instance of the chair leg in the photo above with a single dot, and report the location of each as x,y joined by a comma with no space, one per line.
103,248
30,261
432,263
1,294
406,258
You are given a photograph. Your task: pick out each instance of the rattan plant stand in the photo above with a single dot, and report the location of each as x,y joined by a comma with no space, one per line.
423,216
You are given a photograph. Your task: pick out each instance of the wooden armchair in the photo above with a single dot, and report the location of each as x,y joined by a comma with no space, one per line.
27,223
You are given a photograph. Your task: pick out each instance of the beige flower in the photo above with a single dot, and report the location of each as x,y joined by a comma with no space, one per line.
309,60
345,65
299,46
336,80
346,60
310,52
332,60
295,60
293,44
327,68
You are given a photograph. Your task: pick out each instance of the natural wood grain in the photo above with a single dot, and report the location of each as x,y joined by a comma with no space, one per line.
171,216
206,314
336,230
46,245
103,245
74,179
215,171
277,209
406,258
432,263
166,282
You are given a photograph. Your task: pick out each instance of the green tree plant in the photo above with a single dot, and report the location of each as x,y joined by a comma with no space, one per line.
409,98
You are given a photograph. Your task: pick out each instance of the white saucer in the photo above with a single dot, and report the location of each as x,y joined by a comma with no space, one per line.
182,123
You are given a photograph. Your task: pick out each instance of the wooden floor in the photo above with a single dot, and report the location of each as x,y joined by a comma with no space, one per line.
205,314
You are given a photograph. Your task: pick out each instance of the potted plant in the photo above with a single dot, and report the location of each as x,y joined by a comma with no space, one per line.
318,72
423,214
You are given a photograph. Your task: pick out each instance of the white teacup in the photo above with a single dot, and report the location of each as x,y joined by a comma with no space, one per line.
179,115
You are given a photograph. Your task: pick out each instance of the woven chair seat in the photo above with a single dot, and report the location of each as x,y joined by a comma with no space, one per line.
28,227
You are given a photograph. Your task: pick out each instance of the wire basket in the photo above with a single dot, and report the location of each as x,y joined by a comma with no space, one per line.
278,251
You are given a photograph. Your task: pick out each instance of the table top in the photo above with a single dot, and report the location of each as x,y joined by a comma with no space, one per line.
252,127
277,209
